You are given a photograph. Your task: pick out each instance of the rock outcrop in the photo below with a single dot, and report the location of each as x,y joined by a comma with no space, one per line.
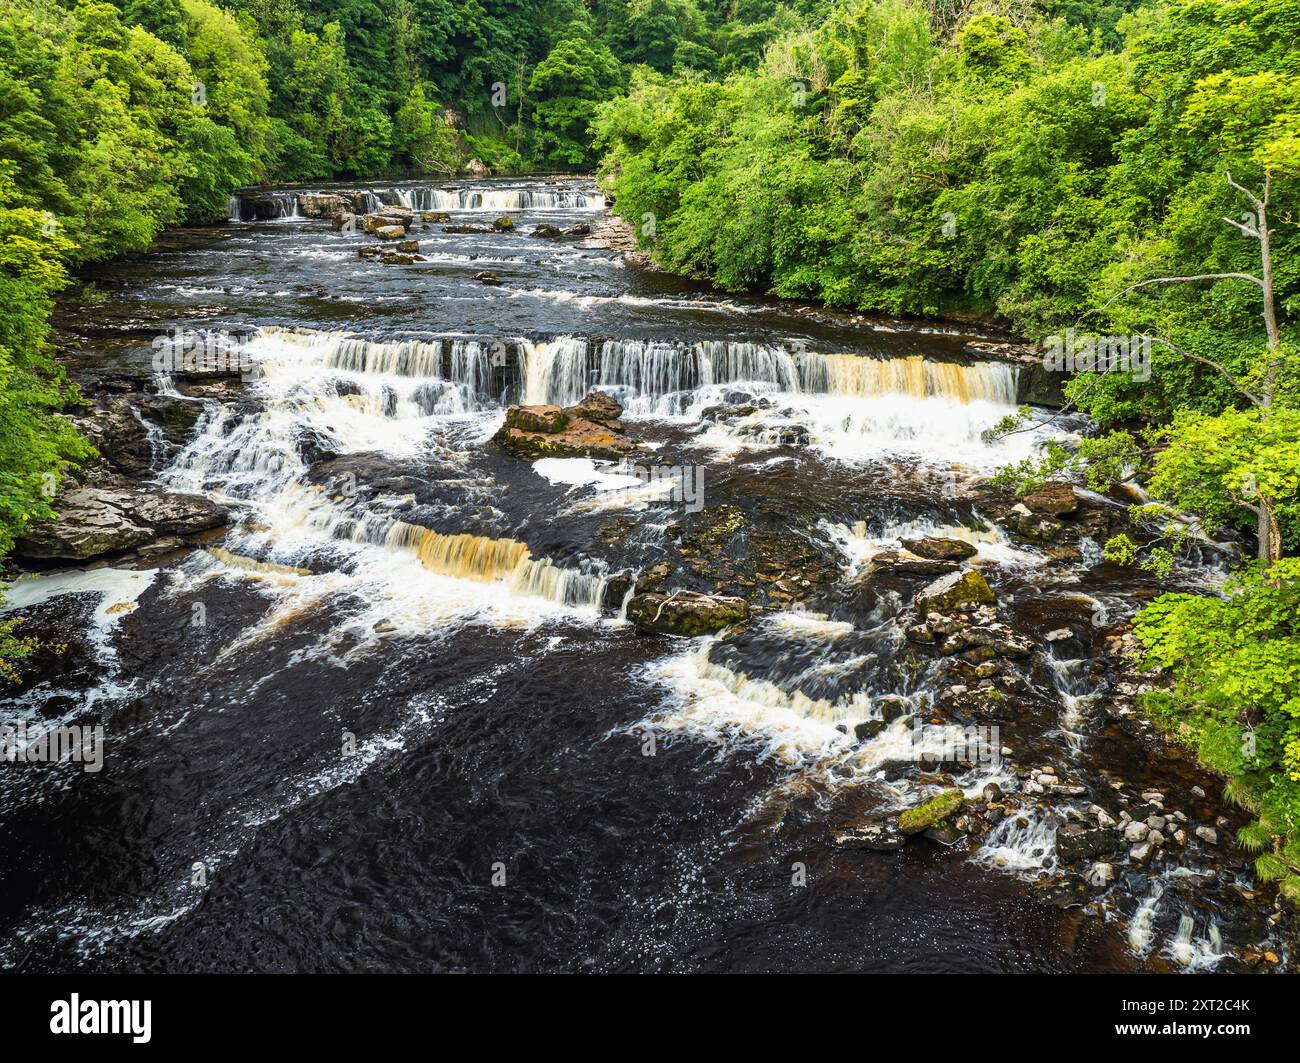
94,521
957,590
588,430
685,612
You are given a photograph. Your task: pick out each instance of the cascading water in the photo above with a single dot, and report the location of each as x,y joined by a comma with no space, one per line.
389,573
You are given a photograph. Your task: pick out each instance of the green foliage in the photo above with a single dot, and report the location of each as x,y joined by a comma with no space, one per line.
1235,662
566,88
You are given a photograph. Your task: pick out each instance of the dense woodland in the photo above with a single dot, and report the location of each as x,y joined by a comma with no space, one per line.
1118,168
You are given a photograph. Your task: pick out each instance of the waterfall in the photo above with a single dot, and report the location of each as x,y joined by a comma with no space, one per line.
455,375
474,557
498,199
662,377
1077,695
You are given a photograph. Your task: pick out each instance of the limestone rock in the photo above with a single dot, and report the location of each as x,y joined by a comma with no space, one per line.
931,813
1054,499
954,591
938,548
685,612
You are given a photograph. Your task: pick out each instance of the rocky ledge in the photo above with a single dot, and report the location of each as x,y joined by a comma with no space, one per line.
591,429
94,521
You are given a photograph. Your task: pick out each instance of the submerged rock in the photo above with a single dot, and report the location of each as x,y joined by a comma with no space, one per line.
931,813
1082,841
876,834
685,612
954,591
939,548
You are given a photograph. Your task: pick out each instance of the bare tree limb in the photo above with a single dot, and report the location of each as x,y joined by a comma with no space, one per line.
1206,361
1174,280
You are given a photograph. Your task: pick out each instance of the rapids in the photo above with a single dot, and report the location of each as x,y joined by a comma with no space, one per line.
404,665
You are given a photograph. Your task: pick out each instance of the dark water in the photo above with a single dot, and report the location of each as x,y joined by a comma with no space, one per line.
346,761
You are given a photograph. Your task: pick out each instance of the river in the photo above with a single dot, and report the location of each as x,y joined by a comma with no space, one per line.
392,718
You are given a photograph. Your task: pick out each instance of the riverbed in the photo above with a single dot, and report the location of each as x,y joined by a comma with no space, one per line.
393,716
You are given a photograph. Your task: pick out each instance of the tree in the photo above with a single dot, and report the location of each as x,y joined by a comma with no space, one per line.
567,88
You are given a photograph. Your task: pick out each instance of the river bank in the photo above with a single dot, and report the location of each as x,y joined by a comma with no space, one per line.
390,569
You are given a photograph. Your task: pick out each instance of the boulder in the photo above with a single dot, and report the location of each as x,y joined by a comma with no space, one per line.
1054,499
488,277
438,216
476,168
320,204
579,229
598,407
932,812
939,548
399,258
906,563
546,232
548,431
95,521
504,224
957,590
685,612
389,217
868,729
391,232
468,229
1082,841
537,418
409,246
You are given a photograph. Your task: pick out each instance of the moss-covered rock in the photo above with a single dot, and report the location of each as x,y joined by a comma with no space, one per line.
685,612
537,418
550,432
931,813
940,548
957,590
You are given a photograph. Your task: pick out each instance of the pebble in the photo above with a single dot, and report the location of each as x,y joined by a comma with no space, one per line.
1136,832
1100,875
1156,822
1198,791
1208,835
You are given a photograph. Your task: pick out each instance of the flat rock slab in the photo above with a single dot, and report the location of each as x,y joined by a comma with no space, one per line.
98,520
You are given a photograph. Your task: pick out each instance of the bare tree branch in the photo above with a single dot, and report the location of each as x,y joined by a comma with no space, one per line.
1206,361
1173,280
